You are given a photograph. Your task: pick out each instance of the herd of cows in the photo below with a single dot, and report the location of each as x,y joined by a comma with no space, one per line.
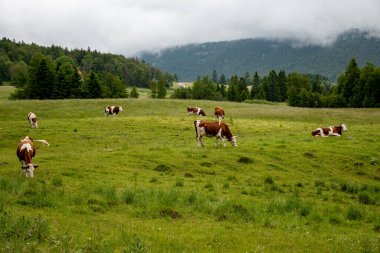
26,149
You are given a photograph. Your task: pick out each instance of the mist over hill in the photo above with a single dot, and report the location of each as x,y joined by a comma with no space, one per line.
262,55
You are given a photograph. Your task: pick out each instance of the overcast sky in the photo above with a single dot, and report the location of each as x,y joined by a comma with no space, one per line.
130,26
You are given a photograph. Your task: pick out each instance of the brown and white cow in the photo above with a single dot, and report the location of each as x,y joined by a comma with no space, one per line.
113,110
330,131
219,113
32,118
26,150
219,130
195,110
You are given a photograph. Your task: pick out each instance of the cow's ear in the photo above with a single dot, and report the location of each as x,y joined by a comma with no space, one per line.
35,166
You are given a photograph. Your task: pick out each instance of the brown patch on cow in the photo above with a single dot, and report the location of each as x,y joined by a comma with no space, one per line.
196,110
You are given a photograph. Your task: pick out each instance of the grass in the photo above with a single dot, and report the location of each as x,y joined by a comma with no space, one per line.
138,183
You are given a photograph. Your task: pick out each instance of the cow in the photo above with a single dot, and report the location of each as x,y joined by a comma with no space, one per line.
26,150
219,113
112,110
195,110
329,131
219,130
32,118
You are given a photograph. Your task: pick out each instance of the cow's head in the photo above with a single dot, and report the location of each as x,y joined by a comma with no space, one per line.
120,109
29,169
344,128
233,141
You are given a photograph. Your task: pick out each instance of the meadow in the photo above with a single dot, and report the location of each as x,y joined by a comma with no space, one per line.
137,182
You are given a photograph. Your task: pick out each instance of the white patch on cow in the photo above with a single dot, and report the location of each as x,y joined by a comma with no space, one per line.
120,108
199,110
344,128
26,146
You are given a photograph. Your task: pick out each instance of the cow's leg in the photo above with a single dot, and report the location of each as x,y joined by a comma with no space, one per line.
224,141
216,140
336,134
201,140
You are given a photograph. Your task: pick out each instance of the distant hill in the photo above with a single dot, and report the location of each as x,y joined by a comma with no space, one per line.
262,55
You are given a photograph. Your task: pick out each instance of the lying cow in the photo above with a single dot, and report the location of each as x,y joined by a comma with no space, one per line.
219,130
26,150
113,110
195,110
32,118
330,131
219,113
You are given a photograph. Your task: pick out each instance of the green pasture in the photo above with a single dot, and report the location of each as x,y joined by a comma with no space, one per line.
137,182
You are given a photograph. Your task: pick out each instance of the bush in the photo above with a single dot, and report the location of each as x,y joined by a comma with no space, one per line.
354,213
365,198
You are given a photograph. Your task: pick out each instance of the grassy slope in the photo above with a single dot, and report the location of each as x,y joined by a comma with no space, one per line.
137,182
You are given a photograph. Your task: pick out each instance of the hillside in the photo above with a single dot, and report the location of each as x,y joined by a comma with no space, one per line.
250,55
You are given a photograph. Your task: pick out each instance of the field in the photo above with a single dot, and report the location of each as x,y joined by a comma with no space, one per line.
137,182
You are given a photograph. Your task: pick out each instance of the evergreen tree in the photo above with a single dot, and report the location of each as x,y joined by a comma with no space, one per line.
94,86
222,79
255,86
113,87
348,81
43,81
215,76
62,86
134,92
154,89
19,74
281,78
161,88
232,91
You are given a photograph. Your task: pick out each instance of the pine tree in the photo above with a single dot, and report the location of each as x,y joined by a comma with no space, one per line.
255,86
215,76
161,88
94,86
134,92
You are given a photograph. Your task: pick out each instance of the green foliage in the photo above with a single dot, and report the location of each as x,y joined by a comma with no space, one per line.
40,81
134,92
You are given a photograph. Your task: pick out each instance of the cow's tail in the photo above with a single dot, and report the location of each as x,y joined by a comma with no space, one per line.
43,142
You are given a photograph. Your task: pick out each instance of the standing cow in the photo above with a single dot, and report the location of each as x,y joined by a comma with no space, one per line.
32,118
195,110
329,131
219,130
219,113
26,150
112,110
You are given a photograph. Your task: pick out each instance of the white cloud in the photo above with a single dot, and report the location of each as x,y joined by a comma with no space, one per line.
130,26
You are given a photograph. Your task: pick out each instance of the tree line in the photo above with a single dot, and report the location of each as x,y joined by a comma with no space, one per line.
55,72
356,87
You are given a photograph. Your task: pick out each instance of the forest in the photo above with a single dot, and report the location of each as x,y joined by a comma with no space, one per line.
55,73
356,87
263,55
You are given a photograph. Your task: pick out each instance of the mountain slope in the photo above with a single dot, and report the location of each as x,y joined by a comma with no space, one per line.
250,55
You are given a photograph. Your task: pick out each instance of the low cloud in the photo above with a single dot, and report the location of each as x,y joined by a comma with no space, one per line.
130,26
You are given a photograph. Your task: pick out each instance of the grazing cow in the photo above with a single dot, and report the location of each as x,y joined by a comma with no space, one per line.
219,130
195,110
328,131
26,150
219,113
113,110
32,118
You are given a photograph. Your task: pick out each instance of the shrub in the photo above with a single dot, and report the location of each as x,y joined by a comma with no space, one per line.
269,180
365,198
354,213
